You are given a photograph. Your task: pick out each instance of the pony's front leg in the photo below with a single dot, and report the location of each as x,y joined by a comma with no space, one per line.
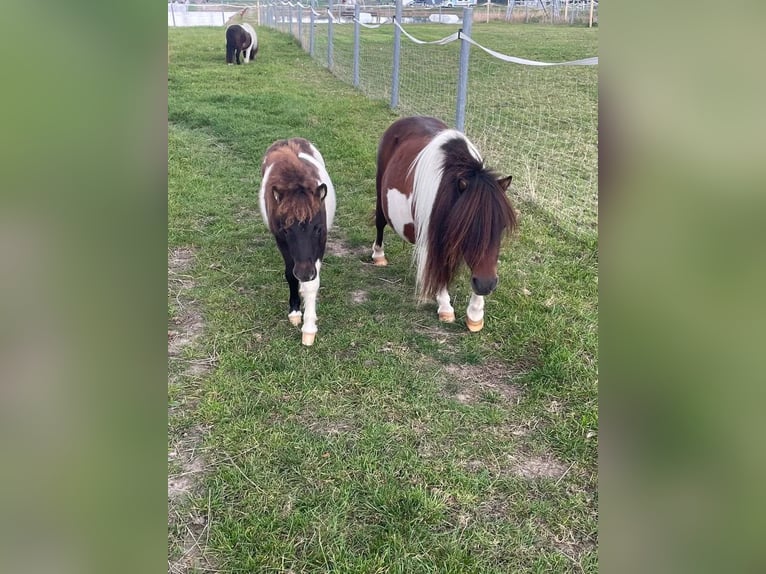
295,299
445,310
247,55
474,315
309,291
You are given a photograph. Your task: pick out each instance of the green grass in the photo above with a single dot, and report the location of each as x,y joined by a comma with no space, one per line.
395,443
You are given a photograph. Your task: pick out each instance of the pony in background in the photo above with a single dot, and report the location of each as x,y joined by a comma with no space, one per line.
434,190
297,202
241,39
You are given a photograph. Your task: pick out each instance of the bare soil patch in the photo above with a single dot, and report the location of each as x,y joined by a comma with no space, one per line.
339,248
475,382
533,467
359,296
188,527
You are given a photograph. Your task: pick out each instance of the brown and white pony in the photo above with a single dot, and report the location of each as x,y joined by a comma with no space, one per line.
297,201
241,39
434,190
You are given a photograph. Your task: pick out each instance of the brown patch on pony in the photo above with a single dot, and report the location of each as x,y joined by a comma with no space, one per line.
409,232
293,181
470,216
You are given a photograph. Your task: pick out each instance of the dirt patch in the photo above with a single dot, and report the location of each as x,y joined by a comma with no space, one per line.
180,260
539,467
480,382
359,296
188,527
338,248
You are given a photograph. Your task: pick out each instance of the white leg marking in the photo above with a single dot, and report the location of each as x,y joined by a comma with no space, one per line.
308,291
295,317
445,310
378,256
475,313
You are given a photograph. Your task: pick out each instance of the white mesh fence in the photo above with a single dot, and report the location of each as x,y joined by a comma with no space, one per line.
537,121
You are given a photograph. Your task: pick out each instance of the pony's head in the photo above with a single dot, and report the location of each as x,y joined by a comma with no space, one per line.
299,222
471,215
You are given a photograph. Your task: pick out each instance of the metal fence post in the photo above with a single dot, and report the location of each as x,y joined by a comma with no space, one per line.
290,15
223,16
462,82
173,14
397,54
300,24
356,45
329,35
311,28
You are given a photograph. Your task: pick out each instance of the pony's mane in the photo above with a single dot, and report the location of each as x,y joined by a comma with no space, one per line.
296,182
454,225
428,167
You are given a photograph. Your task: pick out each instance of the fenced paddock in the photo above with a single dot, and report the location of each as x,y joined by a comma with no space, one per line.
396,443
538,123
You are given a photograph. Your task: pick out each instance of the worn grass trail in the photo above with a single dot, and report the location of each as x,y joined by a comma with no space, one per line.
395,443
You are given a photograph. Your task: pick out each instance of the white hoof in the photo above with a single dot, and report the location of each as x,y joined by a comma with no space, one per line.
447,316
474,326
308,339
380,261
295,318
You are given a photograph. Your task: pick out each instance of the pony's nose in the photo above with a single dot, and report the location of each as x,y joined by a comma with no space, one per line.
305,271
483,285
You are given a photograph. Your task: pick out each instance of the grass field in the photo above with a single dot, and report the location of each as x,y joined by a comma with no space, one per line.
395,444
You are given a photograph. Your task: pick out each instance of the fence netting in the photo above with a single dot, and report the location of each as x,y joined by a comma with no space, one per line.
537,121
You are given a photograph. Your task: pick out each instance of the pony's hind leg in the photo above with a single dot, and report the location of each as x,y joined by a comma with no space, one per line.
309,290
474,315
378,256
446,311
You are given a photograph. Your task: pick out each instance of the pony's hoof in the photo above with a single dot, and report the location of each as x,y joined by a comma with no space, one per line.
447,316
308,339
474,326
295,319
380,261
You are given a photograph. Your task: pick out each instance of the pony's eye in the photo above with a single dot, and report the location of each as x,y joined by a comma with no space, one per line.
318,230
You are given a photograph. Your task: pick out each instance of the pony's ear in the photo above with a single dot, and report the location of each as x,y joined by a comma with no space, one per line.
276,193
505,182
462,185
321,191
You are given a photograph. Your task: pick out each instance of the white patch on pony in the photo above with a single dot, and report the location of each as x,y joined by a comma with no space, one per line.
253,40
475,311
445,310
399,210
428,166
295,317
316,159
308,291
262,194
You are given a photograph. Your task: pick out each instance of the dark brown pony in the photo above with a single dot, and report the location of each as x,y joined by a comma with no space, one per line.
434,190
241,39
297,201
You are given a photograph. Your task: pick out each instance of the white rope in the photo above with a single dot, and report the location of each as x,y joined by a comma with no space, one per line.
584,62
442,42
363,25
